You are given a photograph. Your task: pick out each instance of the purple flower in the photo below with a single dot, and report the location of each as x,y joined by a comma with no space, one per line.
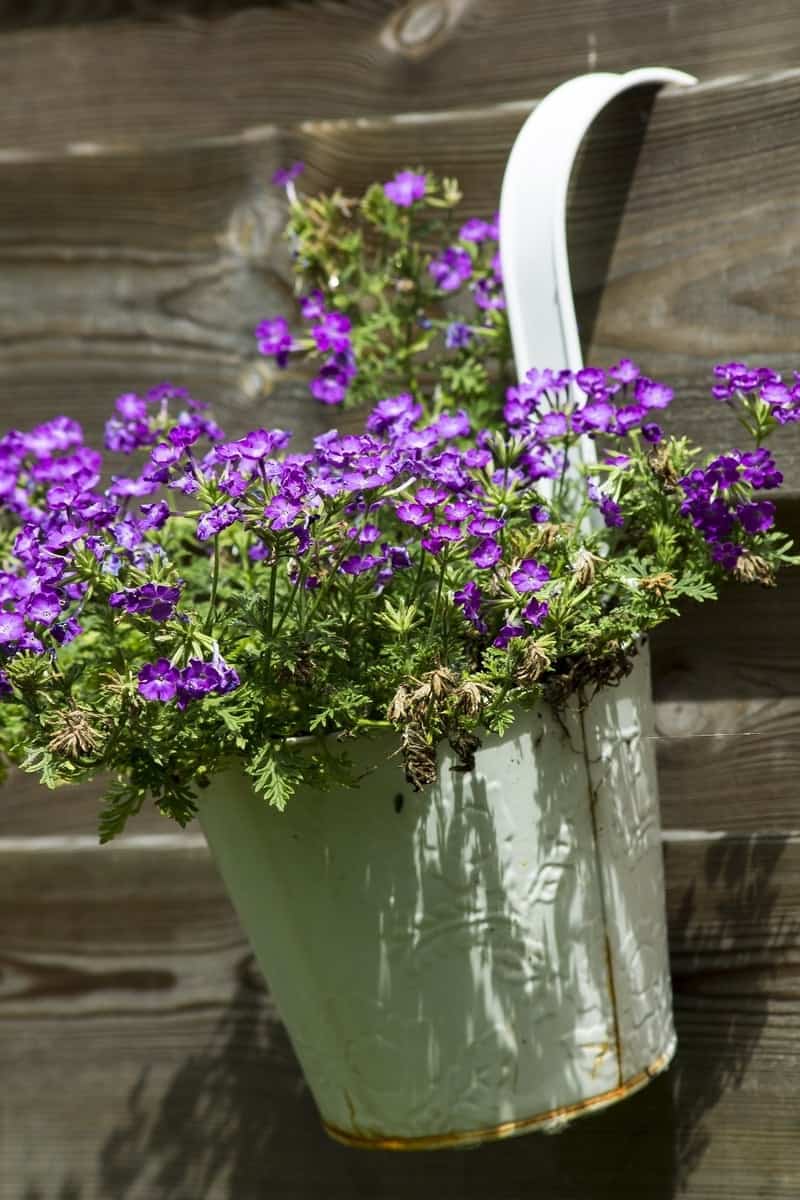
485,526
286,175
312,307
357,564
625,371
258,444
652,432
726,554
652,395
330,386
332,333
158,680
598,416
273,337
430,496
405,188
411,513
197,679
153,600
486,554
44,608
468,599
450,269
551,425
66,631
165,454
590,379
458,510
535,611
488,294
756,517
530,575
474,230
457,336
395,413
281,512
610,510
12,627
507,633
453,425
131,407
217,519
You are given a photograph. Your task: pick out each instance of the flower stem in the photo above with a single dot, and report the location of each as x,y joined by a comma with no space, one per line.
212,603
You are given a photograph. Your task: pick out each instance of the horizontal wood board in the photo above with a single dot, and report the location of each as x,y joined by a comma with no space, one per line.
66,79
122,267
125,984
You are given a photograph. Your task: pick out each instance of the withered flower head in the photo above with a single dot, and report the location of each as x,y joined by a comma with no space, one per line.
534,661
75,733
419,757
752,568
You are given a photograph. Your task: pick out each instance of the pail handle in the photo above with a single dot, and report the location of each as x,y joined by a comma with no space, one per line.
533,212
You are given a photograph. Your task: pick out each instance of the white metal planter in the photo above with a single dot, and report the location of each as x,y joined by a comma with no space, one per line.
487,957
475,961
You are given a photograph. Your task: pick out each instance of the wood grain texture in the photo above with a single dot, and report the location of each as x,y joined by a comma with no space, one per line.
122,267
114,79
181,1082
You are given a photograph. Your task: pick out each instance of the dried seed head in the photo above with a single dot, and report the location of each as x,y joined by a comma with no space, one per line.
434,686
75,733
752,568
660,583
546,535
584,566
470,697
533,663
419,757
661,465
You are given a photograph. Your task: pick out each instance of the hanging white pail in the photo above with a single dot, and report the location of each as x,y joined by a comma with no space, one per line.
488,956
480,959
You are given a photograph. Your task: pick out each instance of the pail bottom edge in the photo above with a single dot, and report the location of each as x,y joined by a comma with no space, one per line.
555,1119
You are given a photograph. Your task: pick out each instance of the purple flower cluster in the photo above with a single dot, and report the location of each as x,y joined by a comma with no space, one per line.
50,485
718,501
550,405
405,189
153,600
164,682
329,335
738,380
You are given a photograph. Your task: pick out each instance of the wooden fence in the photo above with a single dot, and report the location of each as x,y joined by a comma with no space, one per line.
140,1055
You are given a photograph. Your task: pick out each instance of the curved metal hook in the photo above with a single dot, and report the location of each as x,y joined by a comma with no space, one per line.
533,212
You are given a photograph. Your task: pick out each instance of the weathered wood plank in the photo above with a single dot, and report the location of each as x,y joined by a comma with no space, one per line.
124,972
119,270
680,257
285,62
141,263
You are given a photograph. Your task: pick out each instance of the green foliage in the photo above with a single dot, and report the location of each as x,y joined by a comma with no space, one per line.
316,650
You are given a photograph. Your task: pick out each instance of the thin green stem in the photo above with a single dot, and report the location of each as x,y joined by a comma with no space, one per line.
212,603
438,599
273,586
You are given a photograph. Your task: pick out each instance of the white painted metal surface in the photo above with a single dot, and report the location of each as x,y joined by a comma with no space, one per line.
490,956
488,959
